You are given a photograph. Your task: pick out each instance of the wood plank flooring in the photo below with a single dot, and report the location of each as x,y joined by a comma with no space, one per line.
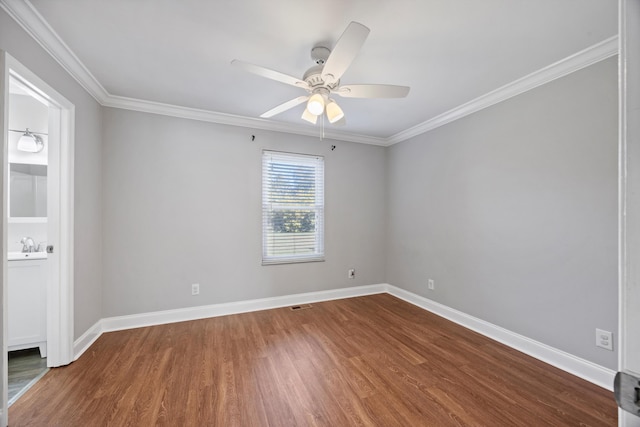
366,361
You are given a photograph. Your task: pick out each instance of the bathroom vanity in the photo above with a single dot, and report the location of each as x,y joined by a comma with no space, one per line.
27,311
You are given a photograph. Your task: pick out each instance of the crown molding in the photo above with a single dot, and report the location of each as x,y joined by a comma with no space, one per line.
25,14
589,56
233,120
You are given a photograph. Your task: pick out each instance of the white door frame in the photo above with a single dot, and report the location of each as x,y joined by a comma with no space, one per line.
60,214
4,119
60,334
629,194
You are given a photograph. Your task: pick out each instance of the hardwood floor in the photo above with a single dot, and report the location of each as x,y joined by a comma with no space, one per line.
367,361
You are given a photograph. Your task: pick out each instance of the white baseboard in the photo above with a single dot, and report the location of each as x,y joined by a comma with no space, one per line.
89,337
214,310
202,312
582,368
577,366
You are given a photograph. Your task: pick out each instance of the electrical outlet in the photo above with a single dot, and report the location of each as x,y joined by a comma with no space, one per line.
352,273
604,339
431,285
195,289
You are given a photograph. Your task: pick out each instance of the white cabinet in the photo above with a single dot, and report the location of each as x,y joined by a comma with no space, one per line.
27,300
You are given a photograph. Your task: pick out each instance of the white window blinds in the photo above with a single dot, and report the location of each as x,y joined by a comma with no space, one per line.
292,208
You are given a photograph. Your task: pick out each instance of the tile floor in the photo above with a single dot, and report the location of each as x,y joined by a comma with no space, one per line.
25,368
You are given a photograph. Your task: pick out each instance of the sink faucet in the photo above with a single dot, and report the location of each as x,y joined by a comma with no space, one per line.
28,245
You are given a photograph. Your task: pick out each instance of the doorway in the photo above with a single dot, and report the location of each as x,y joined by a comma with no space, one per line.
27,163
56,225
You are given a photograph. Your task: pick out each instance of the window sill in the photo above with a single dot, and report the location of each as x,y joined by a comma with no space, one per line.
291,261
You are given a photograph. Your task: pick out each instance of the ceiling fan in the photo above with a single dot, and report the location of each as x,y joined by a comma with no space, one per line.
323,79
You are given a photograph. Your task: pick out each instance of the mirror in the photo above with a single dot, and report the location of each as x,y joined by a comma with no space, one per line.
27,190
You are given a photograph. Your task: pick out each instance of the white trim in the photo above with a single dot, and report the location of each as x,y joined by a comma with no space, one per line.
577,366
214,310
4,126
233,120
224,309
629,203
624,418
26,15
623,188
60,294
66,247
589,56
85,341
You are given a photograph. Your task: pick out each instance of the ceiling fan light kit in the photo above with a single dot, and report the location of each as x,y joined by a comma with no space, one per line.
306,115
316,104
334,112
323,79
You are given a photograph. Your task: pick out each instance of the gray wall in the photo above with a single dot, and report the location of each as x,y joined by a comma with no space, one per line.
513,212
182,205
88,208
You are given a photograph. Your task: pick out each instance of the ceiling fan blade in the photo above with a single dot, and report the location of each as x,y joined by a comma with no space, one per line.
284,107
345,50
270,74
372,91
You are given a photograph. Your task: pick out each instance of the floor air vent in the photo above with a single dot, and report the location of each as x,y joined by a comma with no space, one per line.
300,307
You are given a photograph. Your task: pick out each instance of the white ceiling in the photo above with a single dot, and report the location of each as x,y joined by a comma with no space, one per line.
448,51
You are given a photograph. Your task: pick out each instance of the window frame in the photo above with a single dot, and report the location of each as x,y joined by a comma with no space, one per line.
269,157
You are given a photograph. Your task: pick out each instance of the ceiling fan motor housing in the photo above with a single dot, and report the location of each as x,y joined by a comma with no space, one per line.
313,76
314,79
320,54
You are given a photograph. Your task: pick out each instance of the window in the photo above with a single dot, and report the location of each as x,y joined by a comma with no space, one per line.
292,208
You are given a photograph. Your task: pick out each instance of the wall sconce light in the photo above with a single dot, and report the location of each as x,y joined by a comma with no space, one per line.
29,142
